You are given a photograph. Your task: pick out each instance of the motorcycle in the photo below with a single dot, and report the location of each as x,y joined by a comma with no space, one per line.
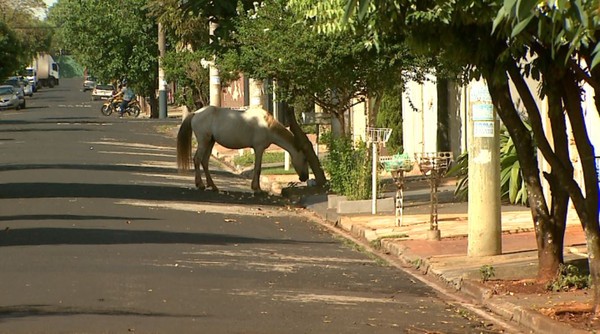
114,103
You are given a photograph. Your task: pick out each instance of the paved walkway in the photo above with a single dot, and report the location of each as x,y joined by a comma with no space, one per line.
448,260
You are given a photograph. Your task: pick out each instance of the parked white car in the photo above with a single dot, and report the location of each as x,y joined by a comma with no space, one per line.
103,92
19,89
89,82
9,98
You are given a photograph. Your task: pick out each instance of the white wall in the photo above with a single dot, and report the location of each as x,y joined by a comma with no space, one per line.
419,113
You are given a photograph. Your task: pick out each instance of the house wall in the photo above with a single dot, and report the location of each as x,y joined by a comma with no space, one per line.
419,125
420,121
234,94
358,121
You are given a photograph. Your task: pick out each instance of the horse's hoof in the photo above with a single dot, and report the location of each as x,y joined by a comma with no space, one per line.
200,187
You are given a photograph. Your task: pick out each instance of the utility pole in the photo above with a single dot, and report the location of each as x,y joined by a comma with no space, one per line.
215,79
256,93
162,83
485,227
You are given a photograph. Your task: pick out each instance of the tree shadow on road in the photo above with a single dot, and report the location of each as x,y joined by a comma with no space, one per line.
22,311
135,192
93,236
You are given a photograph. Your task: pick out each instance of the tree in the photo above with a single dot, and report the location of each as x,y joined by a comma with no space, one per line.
564,37
188,39
460,32
334,71
33,35
10,49
119,43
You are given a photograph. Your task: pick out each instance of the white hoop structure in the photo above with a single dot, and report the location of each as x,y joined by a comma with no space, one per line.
376,136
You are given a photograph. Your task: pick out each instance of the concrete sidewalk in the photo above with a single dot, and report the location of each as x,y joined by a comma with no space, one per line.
447,259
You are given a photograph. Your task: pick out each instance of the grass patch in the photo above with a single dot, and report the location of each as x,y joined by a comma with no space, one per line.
361,249
377,242
277,171
247,159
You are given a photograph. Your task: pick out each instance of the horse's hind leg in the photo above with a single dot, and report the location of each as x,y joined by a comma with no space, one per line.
205,159
198,176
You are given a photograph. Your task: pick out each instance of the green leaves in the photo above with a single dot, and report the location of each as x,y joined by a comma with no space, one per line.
113,40
566,27
10,48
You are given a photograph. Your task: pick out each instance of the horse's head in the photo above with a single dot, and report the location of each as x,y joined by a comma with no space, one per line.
300,165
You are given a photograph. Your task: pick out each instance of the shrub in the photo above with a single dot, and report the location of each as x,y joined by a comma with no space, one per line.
348,167
569,277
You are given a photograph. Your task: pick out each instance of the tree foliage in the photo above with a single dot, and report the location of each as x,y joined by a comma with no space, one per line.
114,40
336,71
23,34
10,48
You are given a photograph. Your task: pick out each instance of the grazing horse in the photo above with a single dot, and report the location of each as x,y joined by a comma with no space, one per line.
234,129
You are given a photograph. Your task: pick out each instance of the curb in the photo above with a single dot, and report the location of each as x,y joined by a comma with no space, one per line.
530,319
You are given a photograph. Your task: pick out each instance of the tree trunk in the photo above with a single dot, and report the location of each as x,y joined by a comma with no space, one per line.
443,138
560,198
374,106
307,148
338,130
548,231
153,106
586,206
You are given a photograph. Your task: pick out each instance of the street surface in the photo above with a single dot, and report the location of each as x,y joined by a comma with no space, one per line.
100,234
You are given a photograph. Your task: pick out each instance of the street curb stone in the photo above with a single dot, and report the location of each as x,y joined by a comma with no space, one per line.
530,319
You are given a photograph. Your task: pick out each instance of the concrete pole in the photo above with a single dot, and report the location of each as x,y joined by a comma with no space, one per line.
485,227
215,79
162,83
256,93
374,178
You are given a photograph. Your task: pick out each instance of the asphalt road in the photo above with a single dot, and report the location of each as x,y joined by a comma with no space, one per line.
99,234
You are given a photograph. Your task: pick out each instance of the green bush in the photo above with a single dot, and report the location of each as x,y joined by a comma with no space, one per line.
390,116
569,277
348,167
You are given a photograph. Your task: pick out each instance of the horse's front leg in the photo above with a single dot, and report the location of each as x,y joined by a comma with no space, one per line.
255,185
198,176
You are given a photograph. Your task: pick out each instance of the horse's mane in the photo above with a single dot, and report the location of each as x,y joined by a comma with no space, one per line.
280,130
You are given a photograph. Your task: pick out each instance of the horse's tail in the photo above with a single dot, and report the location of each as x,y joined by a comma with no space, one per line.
184,144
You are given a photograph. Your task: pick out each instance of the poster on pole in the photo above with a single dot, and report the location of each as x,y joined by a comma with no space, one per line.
479,92
483,112
483,129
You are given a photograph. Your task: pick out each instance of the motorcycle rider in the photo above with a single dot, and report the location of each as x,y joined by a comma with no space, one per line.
128,95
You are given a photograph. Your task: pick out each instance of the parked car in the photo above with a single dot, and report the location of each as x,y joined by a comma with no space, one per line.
89,82
19,88
103,92
9,98
27,87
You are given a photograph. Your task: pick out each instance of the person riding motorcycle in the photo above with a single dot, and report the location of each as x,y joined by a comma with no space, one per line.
127,94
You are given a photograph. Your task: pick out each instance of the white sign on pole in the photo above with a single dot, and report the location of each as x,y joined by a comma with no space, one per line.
479,92
483,129
483,112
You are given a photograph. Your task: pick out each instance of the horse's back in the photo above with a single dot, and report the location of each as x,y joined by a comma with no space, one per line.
234,128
